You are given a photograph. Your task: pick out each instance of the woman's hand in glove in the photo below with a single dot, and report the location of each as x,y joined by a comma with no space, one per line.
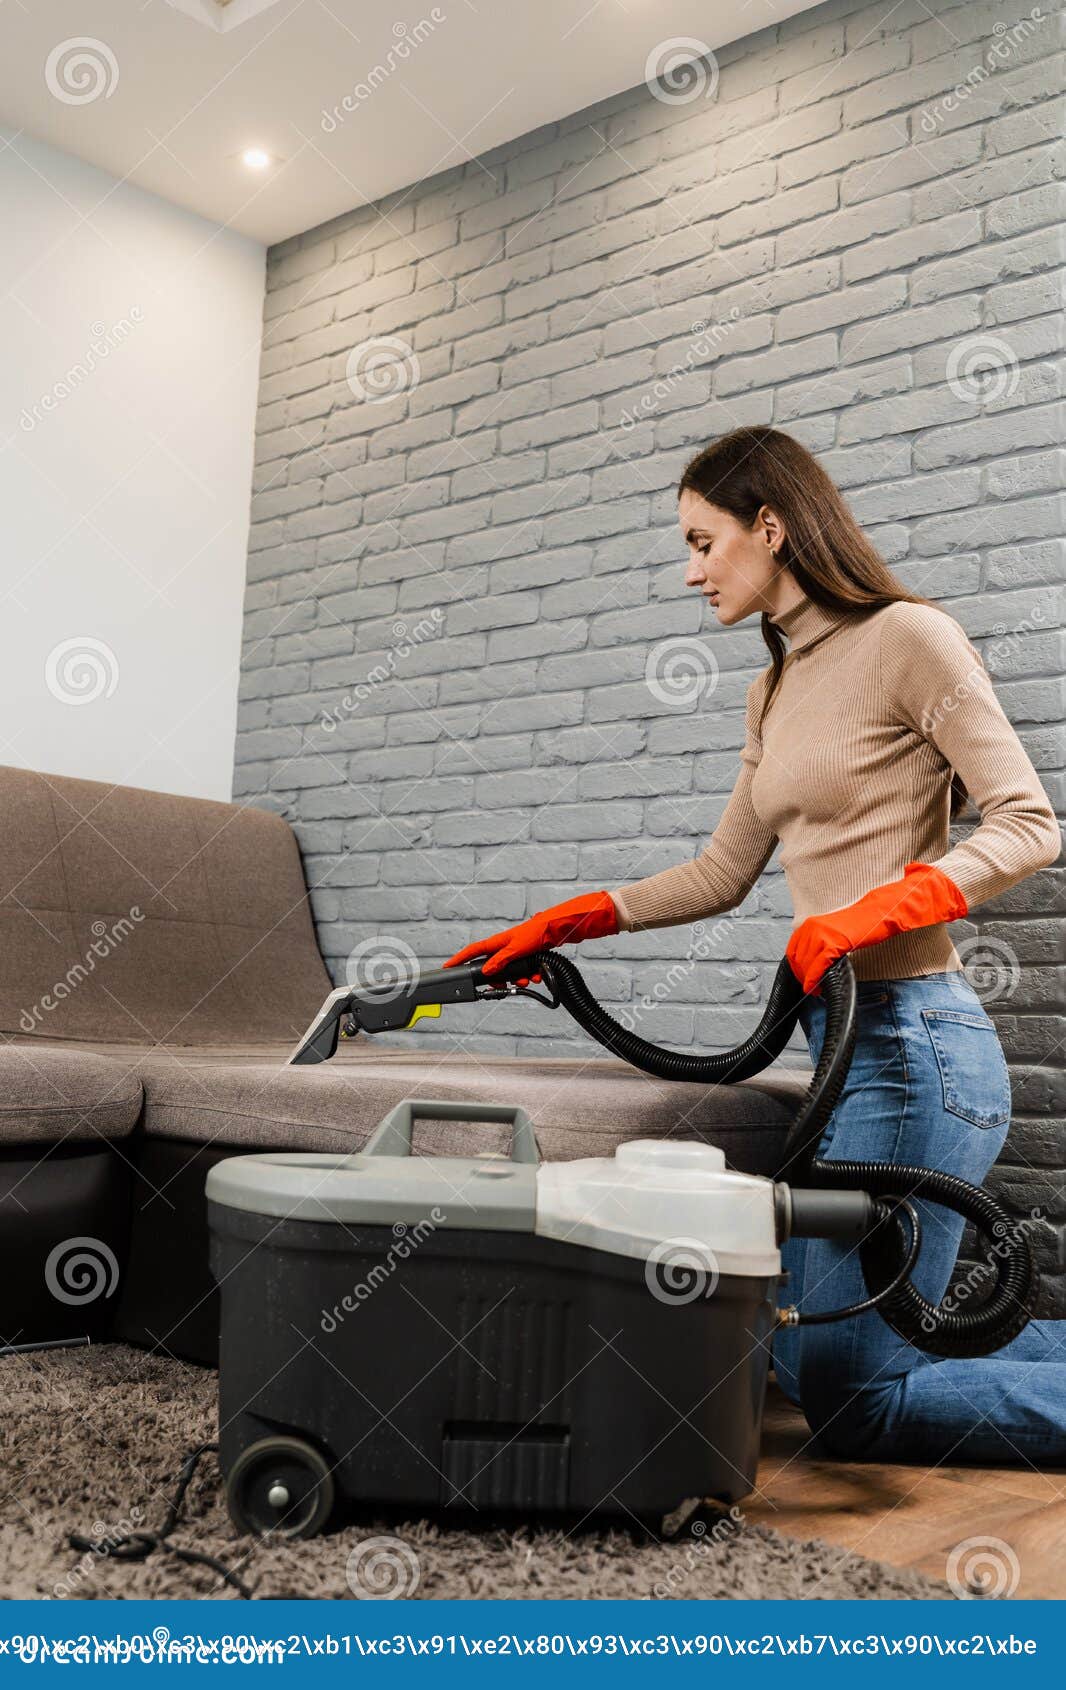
922,898
590,916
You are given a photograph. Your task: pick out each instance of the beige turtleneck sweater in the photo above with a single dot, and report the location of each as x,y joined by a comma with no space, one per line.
851,773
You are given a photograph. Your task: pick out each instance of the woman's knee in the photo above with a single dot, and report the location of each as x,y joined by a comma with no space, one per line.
853,1432
854,1404
851,1415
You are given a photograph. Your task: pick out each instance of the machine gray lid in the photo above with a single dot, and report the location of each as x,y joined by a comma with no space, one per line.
672,1204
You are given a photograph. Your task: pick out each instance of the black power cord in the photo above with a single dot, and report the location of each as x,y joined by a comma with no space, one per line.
885,1213
137,1546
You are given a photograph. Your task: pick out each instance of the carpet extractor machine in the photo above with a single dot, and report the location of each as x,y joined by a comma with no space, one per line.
494,1335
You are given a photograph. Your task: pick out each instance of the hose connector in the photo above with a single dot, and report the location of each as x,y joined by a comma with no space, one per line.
830,1214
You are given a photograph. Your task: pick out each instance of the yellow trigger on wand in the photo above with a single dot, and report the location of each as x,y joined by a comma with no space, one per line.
421,1010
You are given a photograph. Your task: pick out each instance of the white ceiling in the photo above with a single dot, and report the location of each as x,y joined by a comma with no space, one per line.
168,93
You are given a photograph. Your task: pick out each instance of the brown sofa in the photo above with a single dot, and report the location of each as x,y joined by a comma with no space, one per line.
159,965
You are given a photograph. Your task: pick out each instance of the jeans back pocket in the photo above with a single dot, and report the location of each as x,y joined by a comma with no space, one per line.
973,1069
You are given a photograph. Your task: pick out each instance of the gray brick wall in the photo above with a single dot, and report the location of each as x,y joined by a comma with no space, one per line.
459,564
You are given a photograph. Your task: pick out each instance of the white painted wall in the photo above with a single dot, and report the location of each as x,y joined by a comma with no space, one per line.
129,353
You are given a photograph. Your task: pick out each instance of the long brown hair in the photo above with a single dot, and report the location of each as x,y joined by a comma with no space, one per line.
825,550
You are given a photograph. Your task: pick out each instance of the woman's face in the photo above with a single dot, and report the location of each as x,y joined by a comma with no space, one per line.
733,566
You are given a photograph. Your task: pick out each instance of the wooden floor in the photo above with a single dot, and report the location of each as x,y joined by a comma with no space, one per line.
912,1516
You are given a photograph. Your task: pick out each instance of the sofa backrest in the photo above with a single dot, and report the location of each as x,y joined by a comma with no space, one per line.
140,917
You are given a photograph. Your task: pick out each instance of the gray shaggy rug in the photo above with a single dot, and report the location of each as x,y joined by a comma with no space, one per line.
92,1441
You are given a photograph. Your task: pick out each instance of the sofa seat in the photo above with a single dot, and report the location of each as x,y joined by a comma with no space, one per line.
578,1108
53,1094
247,1097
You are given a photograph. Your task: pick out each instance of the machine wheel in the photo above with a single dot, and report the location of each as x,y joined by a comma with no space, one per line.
281,1486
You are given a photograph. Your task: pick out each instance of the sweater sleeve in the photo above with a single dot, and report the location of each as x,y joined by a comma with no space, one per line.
728,866
935,682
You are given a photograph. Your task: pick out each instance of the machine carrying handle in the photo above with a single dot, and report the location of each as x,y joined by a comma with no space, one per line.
392,1135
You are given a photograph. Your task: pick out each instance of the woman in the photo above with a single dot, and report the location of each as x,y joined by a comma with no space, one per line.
872,722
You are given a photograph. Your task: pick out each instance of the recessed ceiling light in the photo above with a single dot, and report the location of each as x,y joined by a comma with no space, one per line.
222,15
255,158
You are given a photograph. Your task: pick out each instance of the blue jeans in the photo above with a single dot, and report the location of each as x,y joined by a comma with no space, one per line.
928,1085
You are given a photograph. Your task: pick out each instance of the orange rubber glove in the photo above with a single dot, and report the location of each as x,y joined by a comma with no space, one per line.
590,916
922,898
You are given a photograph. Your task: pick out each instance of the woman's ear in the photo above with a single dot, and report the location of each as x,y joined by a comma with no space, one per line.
773,529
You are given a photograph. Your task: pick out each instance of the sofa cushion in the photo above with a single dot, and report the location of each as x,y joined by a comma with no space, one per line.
49,1095
578,1107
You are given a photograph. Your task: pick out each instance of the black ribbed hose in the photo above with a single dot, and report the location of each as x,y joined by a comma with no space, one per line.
941,1331
756,1053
